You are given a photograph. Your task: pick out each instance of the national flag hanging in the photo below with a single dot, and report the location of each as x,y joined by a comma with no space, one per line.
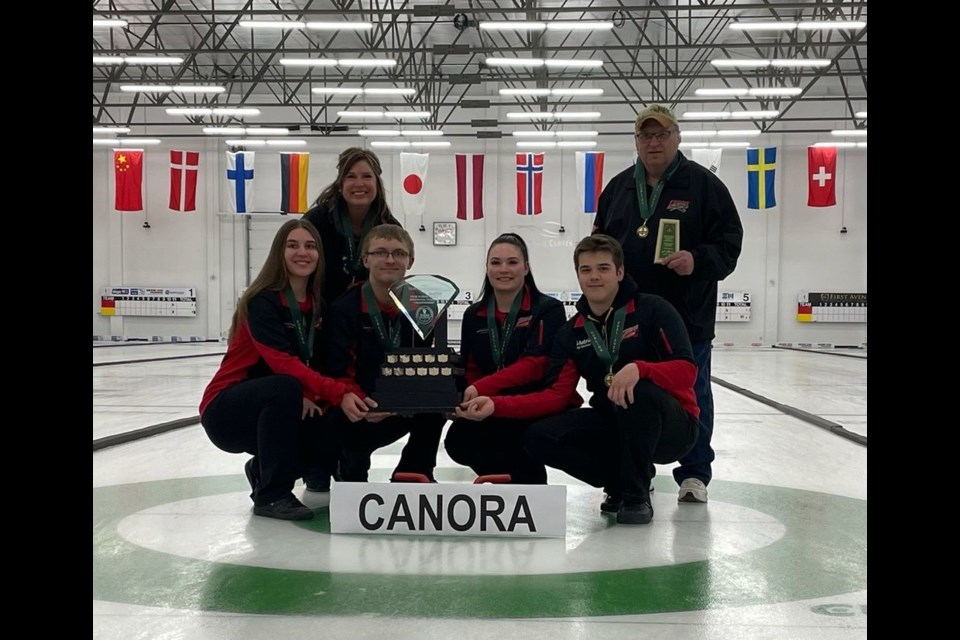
469,185
413,182
294,168
709,158
128,176
529,183
240,177
821,173
589,179
761,171
183,180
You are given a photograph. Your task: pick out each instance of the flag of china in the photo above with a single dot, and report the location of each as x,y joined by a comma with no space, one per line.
822,176
128,170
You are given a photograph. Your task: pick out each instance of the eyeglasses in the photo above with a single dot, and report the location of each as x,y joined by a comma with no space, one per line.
396,254
659,135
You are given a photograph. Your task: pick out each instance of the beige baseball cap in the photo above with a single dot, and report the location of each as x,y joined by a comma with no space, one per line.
658,112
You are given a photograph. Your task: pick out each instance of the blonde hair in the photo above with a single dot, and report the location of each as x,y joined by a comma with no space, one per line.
389,232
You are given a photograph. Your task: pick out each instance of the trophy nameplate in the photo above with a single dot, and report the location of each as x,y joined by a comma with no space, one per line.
668,239
422,379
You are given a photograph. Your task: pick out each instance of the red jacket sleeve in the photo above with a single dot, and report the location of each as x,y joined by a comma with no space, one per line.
676,377
562,394
524,371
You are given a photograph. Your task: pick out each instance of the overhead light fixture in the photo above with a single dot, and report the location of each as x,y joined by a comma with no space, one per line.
835,144
111,130
179,88
287,143
524,92
308,62
698,134
533,134
378,132
224,131
136,60
573,64
724,63
361,114
577,144
430,144
337,91
862,145
126,142
421,132
729,145
776,91
390,144
705,115
848,132
723,92
530,115
762,26
235,111
754,115
207,111
245,143
268,131
860,114
390,91
800,62
109,22
408,115
586,25
694,145
539,144
577,115
577,91
812,25
516,25
577,134
188,88
366,62
271,24
189,111
514,62
340,26
733,133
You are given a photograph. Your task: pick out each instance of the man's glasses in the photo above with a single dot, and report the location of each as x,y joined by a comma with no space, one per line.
382,254
659,135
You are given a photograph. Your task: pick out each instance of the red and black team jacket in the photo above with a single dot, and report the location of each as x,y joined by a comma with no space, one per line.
653,337
527,353
353,352
266,344
710,229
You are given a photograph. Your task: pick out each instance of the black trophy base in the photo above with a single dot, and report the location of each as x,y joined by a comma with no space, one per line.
407,396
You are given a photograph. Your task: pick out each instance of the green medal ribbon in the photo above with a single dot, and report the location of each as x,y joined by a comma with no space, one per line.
304,339
496,348
353,247
388,340
648,208
608,356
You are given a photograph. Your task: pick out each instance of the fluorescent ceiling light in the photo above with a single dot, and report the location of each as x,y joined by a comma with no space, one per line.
729,145
337,91
224,131
271,24
577,115
860,114
287,143
763,26
109,22
754,115
577,144
533,134
586,25
390,144
408,115
848,132
125,142
754,64
378,132
721,92
134,60
146,88
517,25
435,144
776,91
308,62
245,143
187,88
862,145
577,92
421,132
524,92
801,62
267,131
835,144
514,62
111,129
573,64
189,111
810,25
694,145
340,26
360,114
236,111
530,115
366,62
698,134
747,133
577,134
539,144
705,115
390,91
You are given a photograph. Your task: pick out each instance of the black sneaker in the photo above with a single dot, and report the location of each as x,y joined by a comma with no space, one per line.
635,513
320,485
288,508
252,471
611,503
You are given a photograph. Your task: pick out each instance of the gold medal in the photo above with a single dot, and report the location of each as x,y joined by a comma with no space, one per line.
642,231
608,379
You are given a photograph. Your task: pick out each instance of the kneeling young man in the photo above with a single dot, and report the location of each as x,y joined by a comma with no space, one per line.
634,353
365,325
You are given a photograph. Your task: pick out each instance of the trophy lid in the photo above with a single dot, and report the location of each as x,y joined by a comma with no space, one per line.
423,299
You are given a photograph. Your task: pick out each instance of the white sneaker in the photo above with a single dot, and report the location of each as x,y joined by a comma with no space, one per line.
692,490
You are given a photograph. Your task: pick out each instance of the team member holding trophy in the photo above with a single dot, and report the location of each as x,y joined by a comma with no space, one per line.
364,326
505,341
634,353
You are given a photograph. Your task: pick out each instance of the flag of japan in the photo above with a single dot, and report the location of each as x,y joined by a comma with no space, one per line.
413,176
822,174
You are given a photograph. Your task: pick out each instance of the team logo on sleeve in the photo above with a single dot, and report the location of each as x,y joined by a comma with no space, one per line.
678,205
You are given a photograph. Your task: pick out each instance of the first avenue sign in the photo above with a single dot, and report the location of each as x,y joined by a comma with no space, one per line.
448,509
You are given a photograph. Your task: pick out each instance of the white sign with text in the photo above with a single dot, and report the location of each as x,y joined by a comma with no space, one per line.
449,509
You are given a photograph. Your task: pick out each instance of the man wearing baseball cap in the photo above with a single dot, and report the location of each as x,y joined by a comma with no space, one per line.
704,224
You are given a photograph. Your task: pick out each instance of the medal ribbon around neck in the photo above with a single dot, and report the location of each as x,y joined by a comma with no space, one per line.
388,340
304,340
608,356
496,348
353,248
647,208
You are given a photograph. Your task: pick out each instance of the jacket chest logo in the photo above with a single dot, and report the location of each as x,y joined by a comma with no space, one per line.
678,205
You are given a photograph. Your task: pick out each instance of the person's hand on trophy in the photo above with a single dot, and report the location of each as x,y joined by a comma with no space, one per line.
478,408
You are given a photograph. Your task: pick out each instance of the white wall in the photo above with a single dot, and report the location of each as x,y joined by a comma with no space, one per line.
787,249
